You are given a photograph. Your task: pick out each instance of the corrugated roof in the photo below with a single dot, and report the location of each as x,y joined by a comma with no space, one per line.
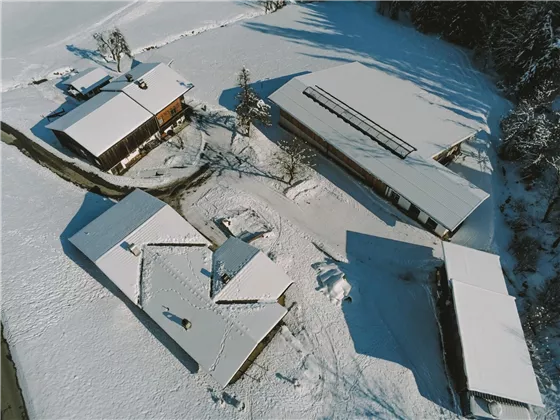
102,121
495,355
221,337
164,85
87,80
439,192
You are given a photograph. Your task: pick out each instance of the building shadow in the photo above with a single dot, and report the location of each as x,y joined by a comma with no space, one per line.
91,55
263,88
92,207
392,315
347,31
41,131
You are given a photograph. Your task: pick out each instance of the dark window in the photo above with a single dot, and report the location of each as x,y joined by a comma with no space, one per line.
394,196
431,223
173,111
414,211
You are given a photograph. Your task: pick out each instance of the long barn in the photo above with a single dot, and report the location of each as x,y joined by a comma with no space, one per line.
390,134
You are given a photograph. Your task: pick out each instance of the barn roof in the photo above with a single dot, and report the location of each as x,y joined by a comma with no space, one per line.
164,85
102,121
170,279
399,114
221,337
87,80
252,275
495,355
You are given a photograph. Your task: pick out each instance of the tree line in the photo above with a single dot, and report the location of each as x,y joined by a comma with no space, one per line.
520,43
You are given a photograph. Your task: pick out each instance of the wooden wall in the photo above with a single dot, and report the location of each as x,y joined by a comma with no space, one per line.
128,144
169,111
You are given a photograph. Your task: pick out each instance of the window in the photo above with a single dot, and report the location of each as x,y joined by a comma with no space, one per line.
394,196
414,211
431,223
173,111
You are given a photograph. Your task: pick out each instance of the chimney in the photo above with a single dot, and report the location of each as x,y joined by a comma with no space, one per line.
142,84
129,77
135,249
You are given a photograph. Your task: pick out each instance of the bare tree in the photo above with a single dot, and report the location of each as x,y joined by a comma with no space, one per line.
114,43
250,107
292,159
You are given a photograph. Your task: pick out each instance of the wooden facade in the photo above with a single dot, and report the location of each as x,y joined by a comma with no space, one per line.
169,112
112,157
292,125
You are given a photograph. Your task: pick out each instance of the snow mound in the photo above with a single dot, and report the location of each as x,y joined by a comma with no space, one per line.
333,283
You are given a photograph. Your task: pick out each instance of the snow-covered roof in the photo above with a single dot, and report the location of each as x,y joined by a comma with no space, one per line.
474,267
87,80
252,276
102,122
406,111
221,337
164,85
169,277
138,219
495,355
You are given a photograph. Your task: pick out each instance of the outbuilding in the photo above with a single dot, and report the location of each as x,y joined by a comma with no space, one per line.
484,344
389,133
164,265
87,83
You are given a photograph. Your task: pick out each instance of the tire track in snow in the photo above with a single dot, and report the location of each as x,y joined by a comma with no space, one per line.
198,31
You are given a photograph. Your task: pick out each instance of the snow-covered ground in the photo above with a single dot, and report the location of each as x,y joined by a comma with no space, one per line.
83,351
62,32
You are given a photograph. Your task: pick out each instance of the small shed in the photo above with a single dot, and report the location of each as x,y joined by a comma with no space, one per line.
87,83
483,338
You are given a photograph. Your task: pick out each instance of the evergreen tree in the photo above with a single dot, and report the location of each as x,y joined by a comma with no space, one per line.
114,43
250,107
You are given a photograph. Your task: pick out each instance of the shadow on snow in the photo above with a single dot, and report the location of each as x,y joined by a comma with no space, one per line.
93,206
391,316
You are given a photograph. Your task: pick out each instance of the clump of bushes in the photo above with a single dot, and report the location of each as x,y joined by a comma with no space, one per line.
525,248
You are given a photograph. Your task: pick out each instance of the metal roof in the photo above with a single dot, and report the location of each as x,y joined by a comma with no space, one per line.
405,112
221,337
170,279
138,219
164,85
102,121
495,355
87,80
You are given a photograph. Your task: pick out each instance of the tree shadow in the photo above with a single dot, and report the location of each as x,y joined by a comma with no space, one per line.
92,55
392,315
92,207
264,88
433,65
